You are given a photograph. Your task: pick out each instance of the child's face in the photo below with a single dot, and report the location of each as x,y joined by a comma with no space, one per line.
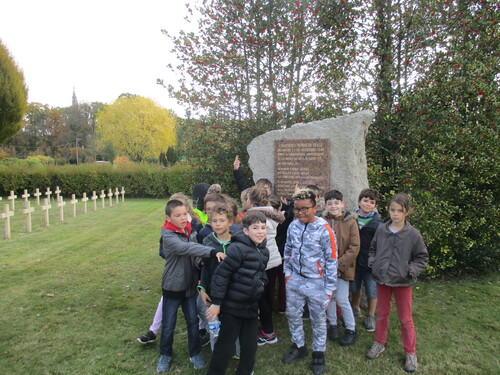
256,232
243,198
179,217
334,206
366,205
209,206
268,189
220,224
248,203
397,213
305,210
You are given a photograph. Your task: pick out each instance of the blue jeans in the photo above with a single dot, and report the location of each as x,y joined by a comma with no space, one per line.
169,319
365,277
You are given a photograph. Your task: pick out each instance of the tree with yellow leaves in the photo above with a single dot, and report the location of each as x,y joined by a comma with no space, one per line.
137,127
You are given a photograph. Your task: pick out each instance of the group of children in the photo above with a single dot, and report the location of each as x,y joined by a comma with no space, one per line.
324,256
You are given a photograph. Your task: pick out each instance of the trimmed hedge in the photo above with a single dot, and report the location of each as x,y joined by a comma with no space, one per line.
139,181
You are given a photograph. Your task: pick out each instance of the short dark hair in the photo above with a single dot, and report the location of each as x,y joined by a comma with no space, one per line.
334,194
253,217
369,193
305,194
171,205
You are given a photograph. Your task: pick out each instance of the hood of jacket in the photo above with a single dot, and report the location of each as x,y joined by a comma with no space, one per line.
187,233
271,213
348,216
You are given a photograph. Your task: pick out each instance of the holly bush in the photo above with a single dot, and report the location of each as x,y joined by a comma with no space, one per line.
446,157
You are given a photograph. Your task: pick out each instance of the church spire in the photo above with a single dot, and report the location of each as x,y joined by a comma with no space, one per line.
75,101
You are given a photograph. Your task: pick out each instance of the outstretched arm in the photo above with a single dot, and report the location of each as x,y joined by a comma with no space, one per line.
238,175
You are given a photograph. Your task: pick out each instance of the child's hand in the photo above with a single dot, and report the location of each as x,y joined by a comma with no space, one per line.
236,163
212,312
220,256
205,298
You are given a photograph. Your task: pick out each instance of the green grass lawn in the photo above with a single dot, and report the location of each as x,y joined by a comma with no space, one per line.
74,297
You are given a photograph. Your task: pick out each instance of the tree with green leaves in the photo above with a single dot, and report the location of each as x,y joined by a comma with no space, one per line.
13,95
254,60
137,127
445,142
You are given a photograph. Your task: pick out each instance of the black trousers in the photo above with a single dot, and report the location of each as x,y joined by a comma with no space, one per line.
266,304
231,328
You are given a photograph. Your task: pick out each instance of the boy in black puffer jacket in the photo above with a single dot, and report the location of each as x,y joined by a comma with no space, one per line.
237,286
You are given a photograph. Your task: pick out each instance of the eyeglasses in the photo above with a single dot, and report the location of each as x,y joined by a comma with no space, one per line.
302,209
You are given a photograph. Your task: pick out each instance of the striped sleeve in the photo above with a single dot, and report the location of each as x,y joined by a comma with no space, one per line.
333,240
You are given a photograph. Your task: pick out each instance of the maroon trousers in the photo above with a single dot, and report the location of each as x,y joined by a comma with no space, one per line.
403,298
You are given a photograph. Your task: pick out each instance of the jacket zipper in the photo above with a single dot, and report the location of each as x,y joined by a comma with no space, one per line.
300,250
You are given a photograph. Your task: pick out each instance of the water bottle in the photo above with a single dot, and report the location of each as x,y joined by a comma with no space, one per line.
214,327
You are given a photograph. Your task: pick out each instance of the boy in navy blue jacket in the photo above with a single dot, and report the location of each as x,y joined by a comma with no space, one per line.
368,222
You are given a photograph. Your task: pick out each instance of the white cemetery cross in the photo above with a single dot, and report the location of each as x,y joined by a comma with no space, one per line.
25,196
116,195
48,193
73,203
57,192
94,199
122,192
11,198
6,215
61,204
102,196
37,196
27,211
46,207
84,200
110,196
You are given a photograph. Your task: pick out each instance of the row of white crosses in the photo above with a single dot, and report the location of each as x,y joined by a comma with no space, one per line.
9,209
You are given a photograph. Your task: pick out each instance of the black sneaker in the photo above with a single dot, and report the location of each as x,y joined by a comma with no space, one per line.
147,338
318,363
295,353
349,337
333,333
266,339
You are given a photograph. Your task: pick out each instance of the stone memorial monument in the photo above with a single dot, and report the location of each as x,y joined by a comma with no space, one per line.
329,153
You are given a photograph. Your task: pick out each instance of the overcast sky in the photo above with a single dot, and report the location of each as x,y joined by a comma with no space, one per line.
102,48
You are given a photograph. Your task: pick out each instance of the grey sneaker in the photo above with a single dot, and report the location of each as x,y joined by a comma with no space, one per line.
198,361
375,350
164,363
370,323
410,363
357,312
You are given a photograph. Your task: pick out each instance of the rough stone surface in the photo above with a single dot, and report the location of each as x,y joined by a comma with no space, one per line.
347,136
